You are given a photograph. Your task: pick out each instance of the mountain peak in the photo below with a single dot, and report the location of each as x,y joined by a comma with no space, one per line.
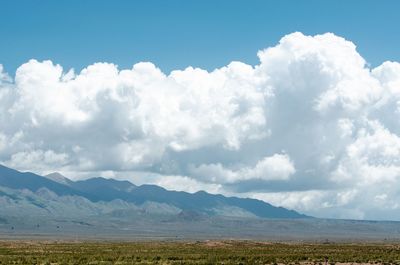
57,177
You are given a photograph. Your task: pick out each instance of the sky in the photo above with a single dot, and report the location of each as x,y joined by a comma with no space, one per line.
293,102
176,34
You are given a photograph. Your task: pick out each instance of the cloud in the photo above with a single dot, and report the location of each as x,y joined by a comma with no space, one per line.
276,167
373,158
134,115
311,127
38,159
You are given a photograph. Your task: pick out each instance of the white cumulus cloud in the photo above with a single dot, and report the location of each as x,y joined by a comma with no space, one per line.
311,127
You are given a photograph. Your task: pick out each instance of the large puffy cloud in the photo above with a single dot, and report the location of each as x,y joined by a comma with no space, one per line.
130,118
311,127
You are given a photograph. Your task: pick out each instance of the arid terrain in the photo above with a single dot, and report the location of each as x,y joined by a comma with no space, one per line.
196,252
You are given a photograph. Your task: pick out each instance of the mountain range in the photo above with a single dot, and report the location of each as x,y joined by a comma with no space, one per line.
29,192
56,207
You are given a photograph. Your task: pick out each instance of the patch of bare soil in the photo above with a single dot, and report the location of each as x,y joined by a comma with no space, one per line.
211,243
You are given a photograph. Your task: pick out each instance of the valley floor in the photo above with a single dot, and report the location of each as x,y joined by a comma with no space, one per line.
195,252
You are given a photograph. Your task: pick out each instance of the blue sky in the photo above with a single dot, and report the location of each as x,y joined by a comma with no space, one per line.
302,119
176,34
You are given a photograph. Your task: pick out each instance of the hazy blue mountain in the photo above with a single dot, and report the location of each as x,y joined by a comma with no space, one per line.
99,196
57,177
56,207
14,179
205,202
101,189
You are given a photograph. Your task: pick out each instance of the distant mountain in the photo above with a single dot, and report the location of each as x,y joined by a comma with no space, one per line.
101,189
54,206
14,179
57,177
113,197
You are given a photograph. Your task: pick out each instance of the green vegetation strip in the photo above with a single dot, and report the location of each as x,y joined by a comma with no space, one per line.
209,252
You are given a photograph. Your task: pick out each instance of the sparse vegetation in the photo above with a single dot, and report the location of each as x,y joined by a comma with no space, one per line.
208,252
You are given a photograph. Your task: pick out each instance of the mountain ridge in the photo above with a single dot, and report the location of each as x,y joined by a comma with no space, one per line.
102,190
33,206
